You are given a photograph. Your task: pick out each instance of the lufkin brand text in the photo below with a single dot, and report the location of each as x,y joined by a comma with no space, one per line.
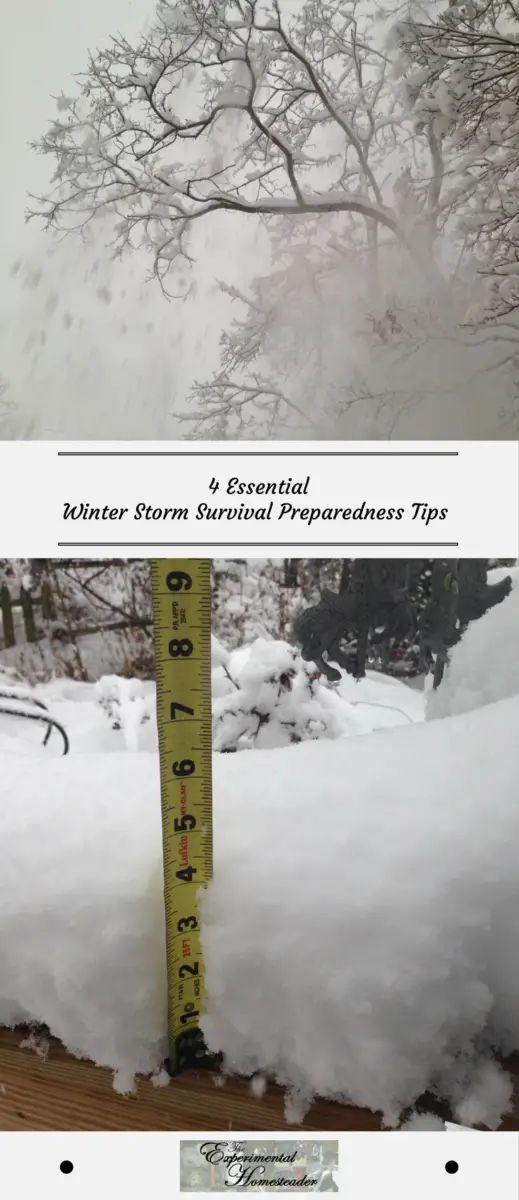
273,510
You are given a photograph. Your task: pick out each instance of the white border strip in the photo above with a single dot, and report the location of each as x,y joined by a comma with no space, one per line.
406,499
372,1166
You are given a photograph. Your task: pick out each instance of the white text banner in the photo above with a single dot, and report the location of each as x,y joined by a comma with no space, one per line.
360,498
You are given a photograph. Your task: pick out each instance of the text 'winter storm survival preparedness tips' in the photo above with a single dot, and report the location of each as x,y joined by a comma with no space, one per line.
251,510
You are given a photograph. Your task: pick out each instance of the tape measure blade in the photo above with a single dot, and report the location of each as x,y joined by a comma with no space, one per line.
182,633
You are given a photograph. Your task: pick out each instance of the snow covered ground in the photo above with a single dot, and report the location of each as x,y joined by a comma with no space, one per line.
360,932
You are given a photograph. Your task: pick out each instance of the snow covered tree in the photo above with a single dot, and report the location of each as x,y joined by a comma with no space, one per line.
261,598
67,600
454,194
258,598
461,73
376,611
244,110
222,107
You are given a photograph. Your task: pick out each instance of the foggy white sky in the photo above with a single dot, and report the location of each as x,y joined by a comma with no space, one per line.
89,348
78,365
45,44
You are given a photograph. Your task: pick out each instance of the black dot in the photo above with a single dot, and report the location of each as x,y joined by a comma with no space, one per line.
451,1167
66,1166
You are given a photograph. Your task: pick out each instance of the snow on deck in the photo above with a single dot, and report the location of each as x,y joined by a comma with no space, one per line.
360,933
358,929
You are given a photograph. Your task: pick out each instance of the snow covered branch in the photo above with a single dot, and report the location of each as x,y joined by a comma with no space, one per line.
462,79
222,108
376,156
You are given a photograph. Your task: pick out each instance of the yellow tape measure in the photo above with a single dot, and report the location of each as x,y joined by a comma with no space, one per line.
182,625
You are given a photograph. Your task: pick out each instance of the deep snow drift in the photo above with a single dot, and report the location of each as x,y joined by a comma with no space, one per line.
485,664
360,932
82,927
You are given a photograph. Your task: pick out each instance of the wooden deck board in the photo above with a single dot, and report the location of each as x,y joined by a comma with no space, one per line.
64,1093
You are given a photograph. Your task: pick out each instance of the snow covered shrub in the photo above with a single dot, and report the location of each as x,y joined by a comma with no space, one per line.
484,666
266,696
128,704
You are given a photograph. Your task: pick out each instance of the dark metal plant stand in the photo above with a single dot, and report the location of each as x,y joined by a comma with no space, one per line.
41,713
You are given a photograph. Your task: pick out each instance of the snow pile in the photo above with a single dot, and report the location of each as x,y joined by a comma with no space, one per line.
82,929
423,1123
484,666
360,931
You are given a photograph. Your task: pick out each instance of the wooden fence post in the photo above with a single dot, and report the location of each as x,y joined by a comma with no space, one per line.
48,607
28,615
6,609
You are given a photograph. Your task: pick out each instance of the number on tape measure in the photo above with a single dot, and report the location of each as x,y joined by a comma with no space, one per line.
181,769
186,969
189,1014
186,874
187,923
176,580
180,649
176,707
181,824
181,605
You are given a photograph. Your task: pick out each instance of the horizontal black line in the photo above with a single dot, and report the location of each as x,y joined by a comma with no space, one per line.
258,453
183,545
